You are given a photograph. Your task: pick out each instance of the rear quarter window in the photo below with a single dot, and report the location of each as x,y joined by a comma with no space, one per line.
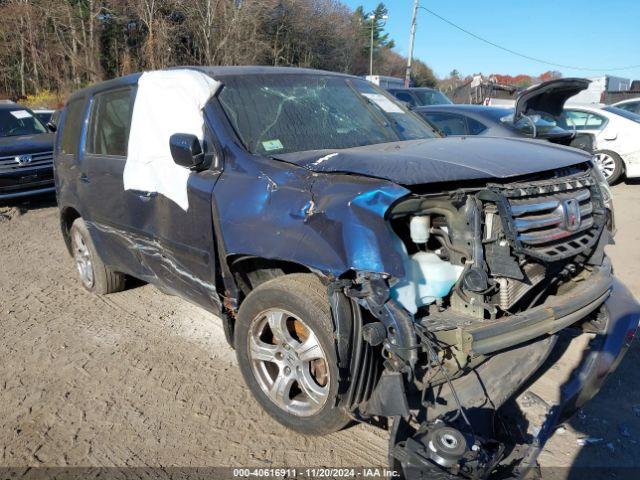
71,127
581,120
475,127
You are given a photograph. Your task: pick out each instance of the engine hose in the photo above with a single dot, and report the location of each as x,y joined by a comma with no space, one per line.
442,235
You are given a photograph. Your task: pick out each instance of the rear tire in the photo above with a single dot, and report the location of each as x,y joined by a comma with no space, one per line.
287,354
611,165
95,276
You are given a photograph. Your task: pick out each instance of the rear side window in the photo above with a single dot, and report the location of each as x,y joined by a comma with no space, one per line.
72,127
581,120
447,123
110,123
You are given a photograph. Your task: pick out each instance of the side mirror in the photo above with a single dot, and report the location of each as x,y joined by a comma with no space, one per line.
52,127
186,150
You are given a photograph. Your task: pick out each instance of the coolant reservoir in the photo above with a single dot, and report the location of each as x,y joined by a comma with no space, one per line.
427,278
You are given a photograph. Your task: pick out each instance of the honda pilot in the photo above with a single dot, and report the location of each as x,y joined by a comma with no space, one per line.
364,268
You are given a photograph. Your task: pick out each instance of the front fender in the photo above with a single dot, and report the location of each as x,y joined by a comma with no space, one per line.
332,223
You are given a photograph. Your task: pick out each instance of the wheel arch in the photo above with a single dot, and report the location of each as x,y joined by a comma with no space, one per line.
248,272
68,215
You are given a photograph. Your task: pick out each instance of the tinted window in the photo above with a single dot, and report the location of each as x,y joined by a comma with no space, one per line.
110,122
581,120
44,117
629,115
449,124
633,107
290,113
405,97
497,114
475,127
431,97
19,121
72,127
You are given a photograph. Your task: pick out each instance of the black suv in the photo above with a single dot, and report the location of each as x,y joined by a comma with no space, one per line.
26,149
364,268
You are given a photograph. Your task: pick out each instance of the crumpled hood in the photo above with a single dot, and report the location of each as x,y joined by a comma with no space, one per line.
41,142
441,159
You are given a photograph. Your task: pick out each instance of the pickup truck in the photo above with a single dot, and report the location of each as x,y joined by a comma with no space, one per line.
364,268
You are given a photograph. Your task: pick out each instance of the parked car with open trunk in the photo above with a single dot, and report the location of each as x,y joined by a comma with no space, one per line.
537,114
364,267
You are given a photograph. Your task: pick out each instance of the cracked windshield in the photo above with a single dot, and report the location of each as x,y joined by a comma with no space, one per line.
285,113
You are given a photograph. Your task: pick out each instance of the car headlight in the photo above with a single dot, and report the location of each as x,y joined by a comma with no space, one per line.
607,195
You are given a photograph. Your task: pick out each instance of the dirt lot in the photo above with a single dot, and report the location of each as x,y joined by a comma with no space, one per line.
143,379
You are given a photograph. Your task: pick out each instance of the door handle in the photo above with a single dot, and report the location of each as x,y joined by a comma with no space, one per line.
84,178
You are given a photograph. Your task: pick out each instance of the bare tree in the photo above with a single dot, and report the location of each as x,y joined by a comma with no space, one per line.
67,44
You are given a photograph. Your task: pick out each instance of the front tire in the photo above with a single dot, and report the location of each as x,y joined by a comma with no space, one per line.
287,355
95,276
611,165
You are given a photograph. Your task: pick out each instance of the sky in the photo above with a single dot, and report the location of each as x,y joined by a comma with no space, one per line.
595,34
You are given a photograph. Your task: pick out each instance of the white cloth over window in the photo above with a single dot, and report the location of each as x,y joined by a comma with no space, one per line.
167,102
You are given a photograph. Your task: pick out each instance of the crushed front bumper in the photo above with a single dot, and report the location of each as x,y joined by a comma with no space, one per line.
550,317
496,381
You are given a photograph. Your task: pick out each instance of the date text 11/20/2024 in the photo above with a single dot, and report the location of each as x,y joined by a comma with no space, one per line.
316,472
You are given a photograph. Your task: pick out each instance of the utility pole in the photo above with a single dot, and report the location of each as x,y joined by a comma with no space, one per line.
412,36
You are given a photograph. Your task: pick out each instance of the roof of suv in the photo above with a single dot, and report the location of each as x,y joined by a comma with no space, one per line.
214,72
11,106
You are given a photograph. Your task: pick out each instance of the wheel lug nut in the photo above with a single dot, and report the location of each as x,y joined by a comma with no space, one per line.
287,371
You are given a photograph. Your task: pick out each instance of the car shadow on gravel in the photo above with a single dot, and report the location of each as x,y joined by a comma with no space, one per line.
14,208
609,426
631,181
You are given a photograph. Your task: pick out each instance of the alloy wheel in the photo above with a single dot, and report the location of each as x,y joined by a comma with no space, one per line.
606,163
288,362
82,256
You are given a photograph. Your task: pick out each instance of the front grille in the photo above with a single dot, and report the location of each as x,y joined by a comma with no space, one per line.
553,221
10,163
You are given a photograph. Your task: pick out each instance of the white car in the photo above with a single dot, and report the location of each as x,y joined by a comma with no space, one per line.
616,134
632,105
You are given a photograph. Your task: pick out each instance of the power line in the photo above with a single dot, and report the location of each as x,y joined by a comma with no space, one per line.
534,59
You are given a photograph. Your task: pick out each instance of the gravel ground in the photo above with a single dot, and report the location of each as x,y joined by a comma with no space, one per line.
140,378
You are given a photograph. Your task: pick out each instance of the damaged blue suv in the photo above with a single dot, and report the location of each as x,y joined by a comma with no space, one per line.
363,267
